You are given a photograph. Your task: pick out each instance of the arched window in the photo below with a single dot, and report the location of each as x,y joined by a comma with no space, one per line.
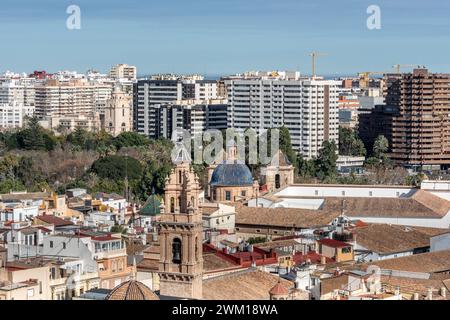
192,202
196,248
277,181
172,205
179,177
176,251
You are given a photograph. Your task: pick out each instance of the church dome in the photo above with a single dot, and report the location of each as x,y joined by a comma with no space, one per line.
232,174
132,290
279,290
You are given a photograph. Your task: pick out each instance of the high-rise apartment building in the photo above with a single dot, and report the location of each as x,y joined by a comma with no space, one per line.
12,115
123,71
73,97
20,91
191,115
162,90
421,129
307,107
17,100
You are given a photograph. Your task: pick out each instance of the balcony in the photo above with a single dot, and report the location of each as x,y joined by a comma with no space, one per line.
109,254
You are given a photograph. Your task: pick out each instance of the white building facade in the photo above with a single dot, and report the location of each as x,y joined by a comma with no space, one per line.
307,107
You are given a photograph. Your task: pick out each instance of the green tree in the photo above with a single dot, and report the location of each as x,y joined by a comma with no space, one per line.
34,137
286,145
9,185
306,168
350,144
326,161
130,139
82,138
380,147
117,168
154,177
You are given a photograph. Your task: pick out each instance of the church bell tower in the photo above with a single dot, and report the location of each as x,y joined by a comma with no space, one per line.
181,227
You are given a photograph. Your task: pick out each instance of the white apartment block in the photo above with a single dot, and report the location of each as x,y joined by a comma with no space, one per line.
19,91
307,107
123,71
17,100
75,97
12,115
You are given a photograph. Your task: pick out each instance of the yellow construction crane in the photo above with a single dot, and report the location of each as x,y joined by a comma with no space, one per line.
314,56
364,78
398,67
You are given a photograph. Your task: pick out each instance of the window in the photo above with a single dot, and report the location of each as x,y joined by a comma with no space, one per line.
176,251
196,249
277,181
64,245
370,193
347,250
243,193
228,195
51,244
172,205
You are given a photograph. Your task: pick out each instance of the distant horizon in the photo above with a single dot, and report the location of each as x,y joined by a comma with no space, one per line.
217,37
207,76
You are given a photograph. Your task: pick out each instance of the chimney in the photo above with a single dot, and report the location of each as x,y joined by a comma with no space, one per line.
416,296
430,294
323,260
397,291
443,292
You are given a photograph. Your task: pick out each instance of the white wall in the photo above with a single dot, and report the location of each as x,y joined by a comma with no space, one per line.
441,242
343,191
441,223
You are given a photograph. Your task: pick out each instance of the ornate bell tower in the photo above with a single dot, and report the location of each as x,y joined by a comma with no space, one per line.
181,257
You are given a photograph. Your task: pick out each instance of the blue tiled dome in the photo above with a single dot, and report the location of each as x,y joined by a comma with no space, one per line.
232,174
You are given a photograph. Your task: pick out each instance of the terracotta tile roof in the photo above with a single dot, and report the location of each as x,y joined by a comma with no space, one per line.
148,265
333,243
430,262
212,262
386,239
244,285
279,290
105,238
278,244
132,290
328,285
283,217
421,204
311,256
24,196
409,286
207,211
57,222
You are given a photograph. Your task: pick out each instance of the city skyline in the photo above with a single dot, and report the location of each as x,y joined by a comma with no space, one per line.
224,37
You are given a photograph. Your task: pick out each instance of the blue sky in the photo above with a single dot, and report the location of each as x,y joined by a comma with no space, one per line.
224,36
